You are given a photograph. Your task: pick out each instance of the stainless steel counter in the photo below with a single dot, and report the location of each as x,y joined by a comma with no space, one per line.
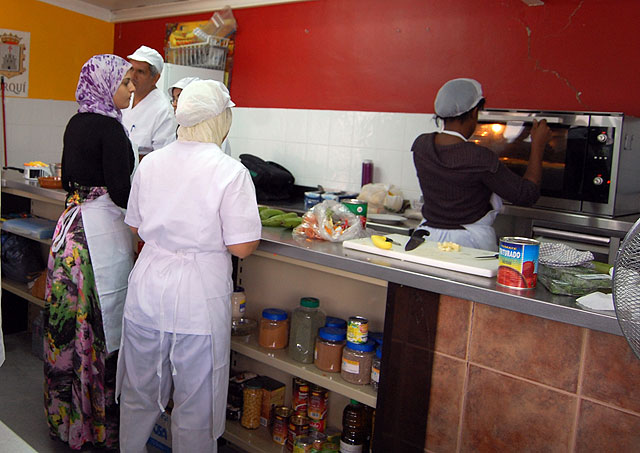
13,181
537,302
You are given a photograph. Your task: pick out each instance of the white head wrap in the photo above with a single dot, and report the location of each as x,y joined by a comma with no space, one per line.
148,55
456,97
202,100
182,84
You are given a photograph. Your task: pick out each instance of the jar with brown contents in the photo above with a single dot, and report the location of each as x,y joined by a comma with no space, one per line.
329,346
251,404
274,329
356,362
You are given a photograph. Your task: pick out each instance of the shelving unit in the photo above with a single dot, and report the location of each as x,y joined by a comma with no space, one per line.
21,290
253,440
279,359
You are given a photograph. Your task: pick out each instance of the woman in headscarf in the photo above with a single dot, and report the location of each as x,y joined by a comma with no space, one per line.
90,259
194,207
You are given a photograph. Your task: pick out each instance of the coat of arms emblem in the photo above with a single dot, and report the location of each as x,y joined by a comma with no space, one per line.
12,55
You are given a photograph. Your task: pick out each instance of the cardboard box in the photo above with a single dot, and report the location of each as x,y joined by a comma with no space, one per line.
160,439
272,396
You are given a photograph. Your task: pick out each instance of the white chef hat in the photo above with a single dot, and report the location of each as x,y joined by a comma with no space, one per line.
456,97
201,100
182,84
148,55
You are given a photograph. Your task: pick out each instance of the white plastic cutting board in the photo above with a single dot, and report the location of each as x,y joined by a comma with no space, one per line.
428,253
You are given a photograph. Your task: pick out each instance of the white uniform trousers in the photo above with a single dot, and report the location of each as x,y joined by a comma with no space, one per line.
192,417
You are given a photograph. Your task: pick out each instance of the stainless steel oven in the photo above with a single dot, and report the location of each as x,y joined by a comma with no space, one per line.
590,166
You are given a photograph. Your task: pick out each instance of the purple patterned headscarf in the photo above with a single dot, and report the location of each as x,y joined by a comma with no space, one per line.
99,79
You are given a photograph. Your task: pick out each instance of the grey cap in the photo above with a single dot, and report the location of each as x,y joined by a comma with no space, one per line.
456,97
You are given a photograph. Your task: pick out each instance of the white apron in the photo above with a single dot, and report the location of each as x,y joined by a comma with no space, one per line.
110,244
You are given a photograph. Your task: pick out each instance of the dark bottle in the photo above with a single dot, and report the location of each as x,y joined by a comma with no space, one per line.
354,428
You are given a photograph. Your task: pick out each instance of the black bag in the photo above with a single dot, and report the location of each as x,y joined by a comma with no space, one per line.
21,258
271,180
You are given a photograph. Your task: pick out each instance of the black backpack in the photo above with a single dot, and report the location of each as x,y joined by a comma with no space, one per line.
271,180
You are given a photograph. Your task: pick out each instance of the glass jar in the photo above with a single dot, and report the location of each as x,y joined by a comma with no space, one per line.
274,329
356,362
238,303
305,322
375,368
251,404
329,346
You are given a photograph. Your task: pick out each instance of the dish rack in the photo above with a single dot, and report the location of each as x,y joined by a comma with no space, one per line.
211,54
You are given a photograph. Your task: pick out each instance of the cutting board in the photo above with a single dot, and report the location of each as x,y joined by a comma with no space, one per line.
428,253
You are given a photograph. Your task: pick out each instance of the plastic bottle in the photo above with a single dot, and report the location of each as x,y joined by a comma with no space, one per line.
305,322
354,428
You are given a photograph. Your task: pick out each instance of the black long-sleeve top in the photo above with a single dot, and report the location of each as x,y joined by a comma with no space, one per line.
457,181
97,153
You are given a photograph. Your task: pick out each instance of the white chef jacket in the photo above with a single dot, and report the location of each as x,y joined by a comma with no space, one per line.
151,123
188,200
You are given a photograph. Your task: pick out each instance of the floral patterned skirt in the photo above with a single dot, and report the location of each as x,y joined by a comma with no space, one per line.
79,384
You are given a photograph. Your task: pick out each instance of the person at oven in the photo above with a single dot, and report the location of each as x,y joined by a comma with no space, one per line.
462,183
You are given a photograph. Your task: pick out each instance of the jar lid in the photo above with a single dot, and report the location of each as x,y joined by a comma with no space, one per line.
255,383
364,347
376,336
309,302
312,194
335,322
379,352
238,289
332,333
274,314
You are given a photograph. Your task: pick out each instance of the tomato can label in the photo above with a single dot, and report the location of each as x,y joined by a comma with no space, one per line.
300,399
318,404
518,262
359,208
358,330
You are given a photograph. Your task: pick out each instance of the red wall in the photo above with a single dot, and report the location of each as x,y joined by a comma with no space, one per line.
377,55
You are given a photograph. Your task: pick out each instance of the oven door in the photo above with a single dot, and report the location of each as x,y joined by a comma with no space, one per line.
508,134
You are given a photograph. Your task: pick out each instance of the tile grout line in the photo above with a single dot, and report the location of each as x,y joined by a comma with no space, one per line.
576,418
465,383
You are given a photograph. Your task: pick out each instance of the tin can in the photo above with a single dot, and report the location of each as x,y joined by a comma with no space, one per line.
303,444
318,403
317,425
280,427
300,397
298,427
518,262
358,329
311,199
359,208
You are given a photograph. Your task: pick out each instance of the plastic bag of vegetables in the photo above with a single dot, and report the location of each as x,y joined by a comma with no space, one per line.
329,221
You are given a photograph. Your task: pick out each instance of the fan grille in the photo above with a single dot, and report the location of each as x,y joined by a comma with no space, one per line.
626,287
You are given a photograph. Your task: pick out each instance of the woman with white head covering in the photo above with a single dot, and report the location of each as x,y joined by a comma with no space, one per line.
194,207
90,260
463,183
176,89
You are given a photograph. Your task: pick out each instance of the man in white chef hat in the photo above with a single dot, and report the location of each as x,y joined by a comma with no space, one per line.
194,207
149,119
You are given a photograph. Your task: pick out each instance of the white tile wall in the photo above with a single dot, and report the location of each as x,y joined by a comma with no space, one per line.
320,147
35,128
327,147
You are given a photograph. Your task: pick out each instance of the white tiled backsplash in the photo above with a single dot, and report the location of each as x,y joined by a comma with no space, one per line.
323,147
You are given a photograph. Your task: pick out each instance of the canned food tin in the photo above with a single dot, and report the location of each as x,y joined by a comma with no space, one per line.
518,262
317,425
357,329
318,403
300,397
298,426
280,427
311,199
358,207
303,444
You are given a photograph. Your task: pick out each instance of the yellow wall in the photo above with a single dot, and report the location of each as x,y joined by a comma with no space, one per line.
61,42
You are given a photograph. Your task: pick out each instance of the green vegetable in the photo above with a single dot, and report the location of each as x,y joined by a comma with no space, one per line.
291,222
575,280
269,212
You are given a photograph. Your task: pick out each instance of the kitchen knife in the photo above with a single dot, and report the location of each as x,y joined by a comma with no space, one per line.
416,239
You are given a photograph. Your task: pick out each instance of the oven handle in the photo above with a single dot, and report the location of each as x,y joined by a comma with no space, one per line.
526,119
570,236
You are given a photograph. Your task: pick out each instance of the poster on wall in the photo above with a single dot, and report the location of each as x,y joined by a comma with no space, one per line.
14,61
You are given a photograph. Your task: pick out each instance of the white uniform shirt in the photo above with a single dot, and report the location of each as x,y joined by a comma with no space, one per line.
188,200
151,123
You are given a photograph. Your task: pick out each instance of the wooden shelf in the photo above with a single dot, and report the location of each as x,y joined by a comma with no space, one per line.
252,440
279,359
22,290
